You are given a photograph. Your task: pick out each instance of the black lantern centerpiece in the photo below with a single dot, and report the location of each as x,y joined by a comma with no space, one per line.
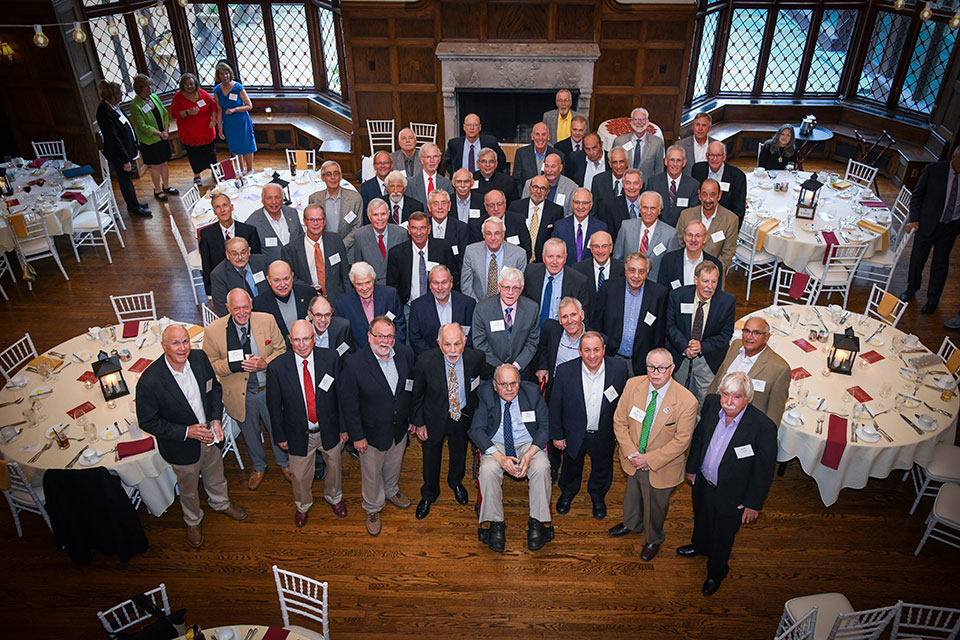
6,184
846,346
110,374
284,187
809,198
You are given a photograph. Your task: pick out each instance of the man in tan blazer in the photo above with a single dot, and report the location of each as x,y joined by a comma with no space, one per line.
769,372
654,424
240,346
721,223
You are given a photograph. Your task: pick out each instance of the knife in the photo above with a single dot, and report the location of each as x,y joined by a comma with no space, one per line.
820,404
38,453
785,314
885,434
912,426
14,424
75,458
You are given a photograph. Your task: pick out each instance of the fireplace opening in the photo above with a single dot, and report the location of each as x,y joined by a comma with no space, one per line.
507,114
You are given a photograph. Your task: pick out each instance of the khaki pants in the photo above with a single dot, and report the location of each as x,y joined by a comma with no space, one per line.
701,378
210,465
380,475
645,507
302,469
491,486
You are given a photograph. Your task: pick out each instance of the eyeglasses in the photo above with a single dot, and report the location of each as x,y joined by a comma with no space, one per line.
309,220
508,385
384,336
323,316
238,254
510,287
653,369
537,187
754,332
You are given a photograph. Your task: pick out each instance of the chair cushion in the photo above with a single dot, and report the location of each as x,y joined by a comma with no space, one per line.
35,246
946,507
884,259
837,275
306,633
829,606
87,221
761,257
194,258
945,464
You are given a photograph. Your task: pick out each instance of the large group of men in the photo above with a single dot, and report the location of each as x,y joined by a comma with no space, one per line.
562,311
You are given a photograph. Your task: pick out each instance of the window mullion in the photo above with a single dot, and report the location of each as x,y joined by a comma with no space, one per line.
227,29
271,42
766,45
906,52
816,21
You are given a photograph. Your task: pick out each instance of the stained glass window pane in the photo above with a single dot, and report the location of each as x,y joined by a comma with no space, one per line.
116,55
158,48
206,36
293,45
830,52
96,3
883,54
743,50
928,63
250,43
705,61
786,50
331,61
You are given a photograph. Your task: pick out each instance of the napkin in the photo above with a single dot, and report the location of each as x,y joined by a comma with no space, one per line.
140,365
880,230
836,442
226,167
275,633
39,162
859,394
871,356
85,170
887,304
86,407
131,329
87,377
53,363
831,239
799,373
840,185
803,344
13,202
953,362
127,449
300,157
798,285
763,228
73,195
17,223
876,204
194,331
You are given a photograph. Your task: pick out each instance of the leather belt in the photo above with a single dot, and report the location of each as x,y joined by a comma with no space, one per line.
313,432
707,481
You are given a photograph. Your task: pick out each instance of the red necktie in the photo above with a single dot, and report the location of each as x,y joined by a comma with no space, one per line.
309,394
645,242
226,235
673,193
396,214
429,185
383,247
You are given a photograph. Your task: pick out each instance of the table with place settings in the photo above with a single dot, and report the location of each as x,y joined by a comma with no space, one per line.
884,380
254,632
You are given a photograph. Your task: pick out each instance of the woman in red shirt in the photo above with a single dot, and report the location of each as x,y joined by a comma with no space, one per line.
196,113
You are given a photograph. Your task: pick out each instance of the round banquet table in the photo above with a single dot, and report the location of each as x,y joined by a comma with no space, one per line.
610,129
146,471
808,142
861,460
257,632
836,209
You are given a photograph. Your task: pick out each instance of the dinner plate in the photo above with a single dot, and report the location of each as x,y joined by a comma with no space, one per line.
765,185
845,195
813,402
786,419
863,435
788,233
82,356
109,433
9,434
876,341
41,392
910,401
809,227
49,432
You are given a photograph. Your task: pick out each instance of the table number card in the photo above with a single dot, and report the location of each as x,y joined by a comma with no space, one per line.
871,357
799,373
87,377
859,394
140,365
803,344
86,407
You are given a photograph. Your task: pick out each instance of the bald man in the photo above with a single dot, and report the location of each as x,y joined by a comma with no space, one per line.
528,161
276,224
287,301
463,152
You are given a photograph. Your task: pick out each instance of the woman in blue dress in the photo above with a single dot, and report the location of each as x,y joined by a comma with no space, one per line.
235,125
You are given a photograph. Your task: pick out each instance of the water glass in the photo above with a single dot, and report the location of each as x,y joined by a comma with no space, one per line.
37,407
885,390
44,370
845,400
857,410
104,336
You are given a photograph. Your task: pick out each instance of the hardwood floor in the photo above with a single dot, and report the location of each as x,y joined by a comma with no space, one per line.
433,576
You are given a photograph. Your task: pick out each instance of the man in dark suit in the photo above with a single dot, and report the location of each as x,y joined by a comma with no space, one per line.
699,327
695,145
528,161
548,281
179,402
376,389
239,271
368,301
583,166
516,232
506,327
626,207
678,190
445,382
420,252
287,301
677,267
488,176
510,427
276,224
466,203
319,258
376,187
443,306
731,462
401,205
609,185
600,266
304,412
585,394
330,331
463,151
935,215
576,230
733,182
632,313
213,237
445,227
574,142
539,215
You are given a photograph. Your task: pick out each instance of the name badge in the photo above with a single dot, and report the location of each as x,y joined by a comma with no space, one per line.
258,277
657,250
334,259
496,325
350,217
454,249
745,451
404,223
629,146
474,383
326,382
528,416
147,107
649,319
724,186
209,385
686,307
201,102
675,284
232,96
759,385
718,236
474,187
342,349
559,199
235,355
408,385
474,213
431,265
514,240
270,242
636,414
683,202
610,394
390,315
466,329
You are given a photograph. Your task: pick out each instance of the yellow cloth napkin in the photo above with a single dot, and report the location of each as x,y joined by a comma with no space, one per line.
876,228
4,476
840,185
300,157
763,228
18,225
887,304
953,362
53,363
194,331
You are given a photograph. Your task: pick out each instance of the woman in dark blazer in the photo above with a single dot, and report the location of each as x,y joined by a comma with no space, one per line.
119,145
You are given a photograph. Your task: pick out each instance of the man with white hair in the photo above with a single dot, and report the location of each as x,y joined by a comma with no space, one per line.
643,147
276,223
506,327
401,205
647,234
445,227
731,463
240,269
369,300
548,281
676,187
421,184
490,174
372,242
344,207
406,159
515,228
483,261
732,181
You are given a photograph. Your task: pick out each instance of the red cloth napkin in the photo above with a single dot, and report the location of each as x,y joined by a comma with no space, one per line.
874,203
39,162
798,284
13,202
140,365
131,329
836,442
859,394
275,633
86,407
831,239
87,377
74,195
127,449
227,168
803,344
871,356
799,373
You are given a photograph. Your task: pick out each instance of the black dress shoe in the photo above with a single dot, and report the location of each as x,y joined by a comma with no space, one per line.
687,551
907,295
461,494
423,509
930,306
352,450
618,530
649,552
143,212
538,534
143,205
710,586
554,474
171,191
320,469
496,536
599,509
563,504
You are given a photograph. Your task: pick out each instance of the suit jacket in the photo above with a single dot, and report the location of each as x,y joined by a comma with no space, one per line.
520,346
264,331
369,409
271,245
266,302
286,401
614,270
457,235
568,409
351,209
564,191
566,146
550,119
566,230
740,480
486,418
602,188
770,371
670,434
119,140
550,214
608,319
499,181
400,265
615,212
574,284
717,330
386,302
163,410
661,241
687,195
516,234
453,155
547,351
336,273
431,404
340,337
930,195
724,221
399,163
225,278
425,322
525,163
651,159
362,245
687,144
473,275
213,249
670,270
417,186
734,197
370,190
576,167
407,206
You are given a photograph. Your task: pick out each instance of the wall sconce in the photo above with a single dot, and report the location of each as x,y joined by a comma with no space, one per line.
927,11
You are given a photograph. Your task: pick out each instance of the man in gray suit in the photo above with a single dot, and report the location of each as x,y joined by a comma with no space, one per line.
678,189
318,258
695,145
276,224
371,242
647,235
422,183
407,157
561,117
239,271
561,187
528,160
484,261
343,207
506,327
644,149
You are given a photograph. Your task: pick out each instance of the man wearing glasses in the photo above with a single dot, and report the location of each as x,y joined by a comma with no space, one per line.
319,257
495,206
732,181
506,327
538,214
240,270
643,147
343,207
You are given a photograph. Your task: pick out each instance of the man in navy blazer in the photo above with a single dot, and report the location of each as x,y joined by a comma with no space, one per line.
677,267
213,237
583,166
384,301
457,148
585,395
528,160
562,281
576,230
331,332
293,297
600,266
443,226
685,189
400,260
733,182
426,310
376,187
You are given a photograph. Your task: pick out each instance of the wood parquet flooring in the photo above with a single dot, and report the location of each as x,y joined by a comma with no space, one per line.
433,577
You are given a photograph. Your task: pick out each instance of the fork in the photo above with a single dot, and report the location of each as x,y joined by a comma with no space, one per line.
7,404
940,411
884,434
39,453
820,425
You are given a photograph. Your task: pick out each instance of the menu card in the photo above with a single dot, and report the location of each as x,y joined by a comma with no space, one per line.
86,407
803,344
799,373
859,394
871,356
140,365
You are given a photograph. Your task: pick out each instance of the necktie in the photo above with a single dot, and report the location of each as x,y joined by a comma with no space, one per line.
576,146
579,241
648,421
645,242
423,273
383,247
321,268
637,151
453,391
673,193
383,190
547,301
534,230
471,165
396,214
616,187
429,185
951,206
633,211
600,278
508,447
251,283
245,337
492,273
697,332
508,320
308,394
226,235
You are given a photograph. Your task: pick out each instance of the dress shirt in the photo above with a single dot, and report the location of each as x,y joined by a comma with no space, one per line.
706,310
617,185
689,267
520,434
191,391
593,168
408,164
259,376
462,381
743,363
592,395
280,228
439,229
463,209
648,230
582,225
231,231
539,158
699,151
383,186
568,349
714,175
631,316
389,369
323,340
661,394
718,445
308,246
465,160
554,302
367,305
331,209
386,234
705,220
486,263
530,207
311,426
415,274
635,214
426,183
444,311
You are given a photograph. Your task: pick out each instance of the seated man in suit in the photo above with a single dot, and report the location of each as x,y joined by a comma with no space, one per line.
368,301
575,231
401,205
213,237
769,373
731,462
304,410
421,184
506,327
648,235
179,402
372,242
409,262
240,269
445,228
732,181
539,215
654,424
276,224
287,301
626,207
463,151
549,281
583,166
510,427
444,305
699,327
376,187
560,187
679,190
495,206
483,261
574,142
599,265
585,395
528,160
343,207
643,146
695,145
559,121
406,159
677,267
488,177
319,257
330,331
721,223
608,185
445,382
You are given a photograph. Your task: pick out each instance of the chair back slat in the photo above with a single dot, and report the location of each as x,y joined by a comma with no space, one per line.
135,306
17,354
301,595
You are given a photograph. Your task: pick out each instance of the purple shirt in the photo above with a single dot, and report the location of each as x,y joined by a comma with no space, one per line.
722,435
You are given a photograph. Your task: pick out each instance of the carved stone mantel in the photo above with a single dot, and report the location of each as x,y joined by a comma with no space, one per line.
514,66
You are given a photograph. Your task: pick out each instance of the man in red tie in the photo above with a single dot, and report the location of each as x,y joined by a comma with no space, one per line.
401,206
423,183
678,189
371,242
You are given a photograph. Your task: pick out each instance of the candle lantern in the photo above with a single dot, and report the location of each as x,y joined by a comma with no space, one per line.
110,375
6,184
809,198
841,357
284,187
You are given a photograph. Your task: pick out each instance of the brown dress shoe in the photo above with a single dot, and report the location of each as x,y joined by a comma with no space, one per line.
256,479
649,552
194,536
374,525
235,511
300,519
286,474
399,500
340,509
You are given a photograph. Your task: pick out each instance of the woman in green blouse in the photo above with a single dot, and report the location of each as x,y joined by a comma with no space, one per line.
151,123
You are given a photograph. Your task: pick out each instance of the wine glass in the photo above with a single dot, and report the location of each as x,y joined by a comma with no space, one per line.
104,336
37,407
44,370
845,401
885,390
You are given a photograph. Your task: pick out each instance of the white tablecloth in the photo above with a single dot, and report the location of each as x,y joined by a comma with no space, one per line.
861,460
259,631
607,136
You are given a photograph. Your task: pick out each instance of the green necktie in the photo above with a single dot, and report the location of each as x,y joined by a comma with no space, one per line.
648,422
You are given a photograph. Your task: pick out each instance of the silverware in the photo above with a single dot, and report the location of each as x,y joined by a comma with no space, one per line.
785,314
869,412
7,404
39,453
930,386
912,426
75,458
57,354
853,431
14,424
884,434
819,239
938,410
820,318
820,404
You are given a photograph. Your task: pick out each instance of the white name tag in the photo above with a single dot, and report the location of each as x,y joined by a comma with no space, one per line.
745,451
390,315
455,250
649,319
686,307
431,265
350,217
636,414
343,348
724,186
528,416
657,250
334,259
474,187
270,242
675,284
559,199
629,146
209,385
408,385
496,325
474,383
201,102
326,382
232,96
718,236
258,277
759,385
514,240
235,355
683,202
147,107
474,213
466,329
611,394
